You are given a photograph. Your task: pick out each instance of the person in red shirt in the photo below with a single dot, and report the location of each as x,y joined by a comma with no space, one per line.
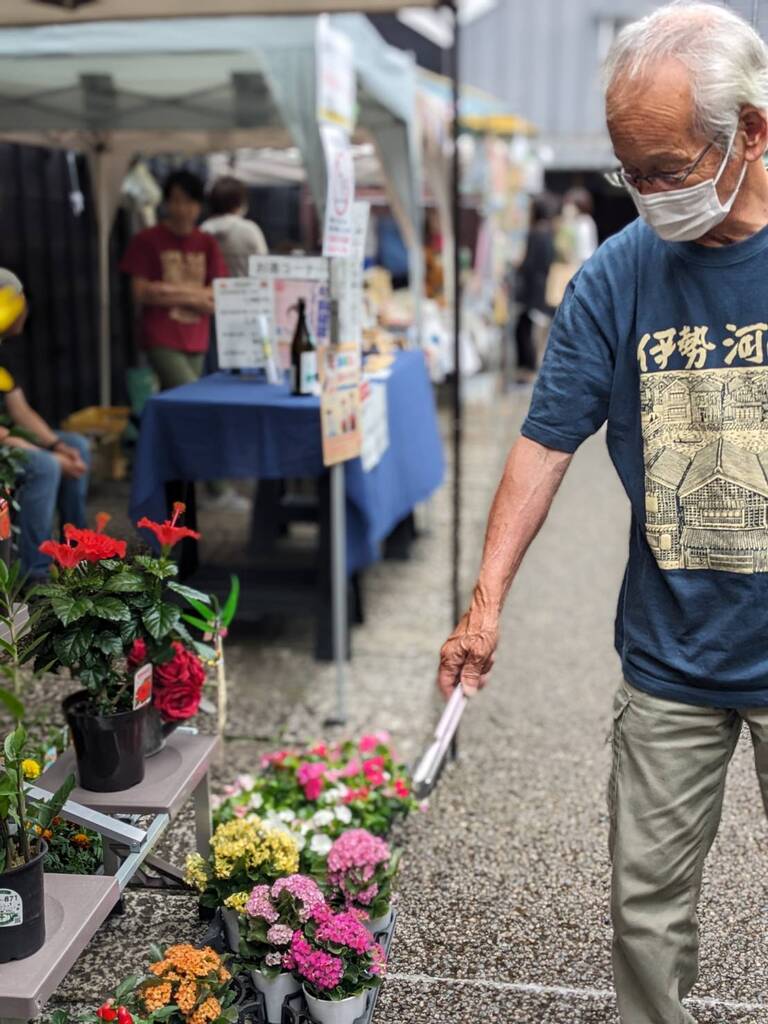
172,266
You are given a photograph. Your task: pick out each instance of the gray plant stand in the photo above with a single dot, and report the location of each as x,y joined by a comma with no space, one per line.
77,905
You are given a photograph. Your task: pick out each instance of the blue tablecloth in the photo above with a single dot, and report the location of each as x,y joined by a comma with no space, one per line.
224,426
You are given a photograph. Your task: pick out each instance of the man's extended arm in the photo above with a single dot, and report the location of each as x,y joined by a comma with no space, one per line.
530,481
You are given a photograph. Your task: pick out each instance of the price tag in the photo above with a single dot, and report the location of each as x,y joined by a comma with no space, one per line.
142,687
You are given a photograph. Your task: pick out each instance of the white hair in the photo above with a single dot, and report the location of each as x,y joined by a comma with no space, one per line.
726,58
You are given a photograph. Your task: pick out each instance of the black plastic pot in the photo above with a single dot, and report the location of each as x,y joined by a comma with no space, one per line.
22,909
156,731
109,748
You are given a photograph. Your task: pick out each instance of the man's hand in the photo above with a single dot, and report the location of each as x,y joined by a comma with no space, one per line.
69,450
71,466
467,655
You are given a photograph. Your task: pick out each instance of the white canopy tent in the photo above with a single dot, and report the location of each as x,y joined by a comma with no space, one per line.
47,12
115,89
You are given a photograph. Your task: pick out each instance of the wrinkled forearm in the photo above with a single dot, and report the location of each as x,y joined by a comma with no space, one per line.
532,476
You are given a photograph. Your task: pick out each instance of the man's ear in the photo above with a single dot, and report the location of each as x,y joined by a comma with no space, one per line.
753,124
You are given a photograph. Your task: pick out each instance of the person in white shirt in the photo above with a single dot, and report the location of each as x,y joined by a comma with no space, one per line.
239,238
580,225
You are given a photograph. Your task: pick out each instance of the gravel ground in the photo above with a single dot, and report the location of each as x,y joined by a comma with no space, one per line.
503,895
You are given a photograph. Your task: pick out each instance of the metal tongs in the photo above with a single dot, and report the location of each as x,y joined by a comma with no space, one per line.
428,769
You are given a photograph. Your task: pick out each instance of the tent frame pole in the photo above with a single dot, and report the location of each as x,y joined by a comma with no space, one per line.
456,395
456,594
100,162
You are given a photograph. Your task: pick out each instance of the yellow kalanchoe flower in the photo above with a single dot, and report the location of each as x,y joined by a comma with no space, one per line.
195,872
237,901
30,768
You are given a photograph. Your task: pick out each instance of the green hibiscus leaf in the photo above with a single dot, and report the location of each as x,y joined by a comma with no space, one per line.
161,619
111,608
125,582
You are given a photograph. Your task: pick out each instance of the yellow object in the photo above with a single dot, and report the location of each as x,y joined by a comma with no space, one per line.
12,305
30,769
105,425
7,383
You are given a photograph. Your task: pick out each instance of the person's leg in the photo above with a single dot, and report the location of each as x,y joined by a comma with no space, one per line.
174,368
526,350
73,494
665,797
37,503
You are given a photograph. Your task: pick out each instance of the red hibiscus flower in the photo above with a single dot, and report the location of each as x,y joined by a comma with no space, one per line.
64,555
106,1011
138,653
178,685
93,546
168,533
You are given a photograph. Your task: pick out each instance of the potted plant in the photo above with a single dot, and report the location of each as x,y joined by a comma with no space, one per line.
97,606
72,849
183,985
266,919
23,824
339,962
177,690
361,869
244,852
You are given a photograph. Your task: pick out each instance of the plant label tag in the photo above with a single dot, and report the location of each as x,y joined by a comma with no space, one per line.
5,520
142,687
51,756
11,908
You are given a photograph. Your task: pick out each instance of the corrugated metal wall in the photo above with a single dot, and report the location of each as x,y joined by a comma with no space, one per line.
53,251
543,58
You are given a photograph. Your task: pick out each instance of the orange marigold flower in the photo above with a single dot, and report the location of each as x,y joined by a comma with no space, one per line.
81,839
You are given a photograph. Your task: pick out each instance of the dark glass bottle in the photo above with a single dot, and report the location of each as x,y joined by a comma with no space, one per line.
303,356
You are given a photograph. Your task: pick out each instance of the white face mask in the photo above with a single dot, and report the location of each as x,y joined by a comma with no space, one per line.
686,214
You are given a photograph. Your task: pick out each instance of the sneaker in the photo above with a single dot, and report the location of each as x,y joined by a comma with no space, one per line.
228,501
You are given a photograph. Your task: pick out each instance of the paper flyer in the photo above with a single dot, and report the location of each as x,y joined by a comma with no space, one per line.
338,229
347,279
244,309
375,423
340,402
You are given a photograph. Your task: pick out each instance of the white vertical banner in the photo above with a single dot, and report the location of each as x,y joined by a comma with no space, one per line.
338,229
336,85
347,279
336,103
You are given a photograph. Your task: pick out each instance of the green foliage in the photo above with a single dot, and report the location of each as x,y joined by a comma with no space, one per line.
23,819
17,638
72,849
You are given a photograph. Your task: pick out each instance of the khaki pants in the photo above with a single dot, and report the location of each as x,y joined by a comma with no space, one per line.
665,797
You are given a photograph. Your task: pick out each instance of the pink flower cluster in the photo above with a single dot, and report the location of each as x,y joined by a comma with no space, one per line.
345,930
321,969
372,740
280,935
311,777
303,889
260,905
355,856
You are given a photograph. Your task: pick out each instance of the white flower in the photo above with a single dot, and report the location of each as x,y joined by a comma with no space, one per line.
256,800
320,844
300,841
337,794
306,826
322,819
246,781
344,814
287,815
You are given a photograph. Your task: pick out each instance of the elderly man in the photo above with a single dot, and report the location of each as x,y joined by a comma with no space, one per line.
664,334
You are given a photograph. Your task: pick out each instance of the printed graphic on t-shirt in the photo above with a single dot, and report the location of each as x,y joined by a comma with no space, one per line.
183,268
705,435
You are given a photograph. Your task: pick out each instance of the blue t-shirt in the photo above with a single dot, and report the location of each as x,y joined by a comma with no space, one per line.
668,342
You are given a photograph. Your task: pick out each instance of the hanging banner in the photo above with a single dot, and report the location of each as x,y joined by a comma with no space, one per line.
244,312
338,229
335,76
375,423
339,367
290,278
347,279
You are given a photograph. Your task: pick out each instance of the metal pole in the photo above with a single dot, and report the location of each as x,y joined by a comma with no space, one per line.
339,589
457,411
457,418
100,158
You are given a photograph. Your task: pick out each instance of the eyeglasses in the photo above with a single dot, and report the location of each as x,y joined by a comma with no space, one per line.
661,179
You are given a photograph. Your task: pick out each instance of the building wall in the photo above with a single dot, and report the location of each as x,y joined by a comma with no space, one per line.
543,58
